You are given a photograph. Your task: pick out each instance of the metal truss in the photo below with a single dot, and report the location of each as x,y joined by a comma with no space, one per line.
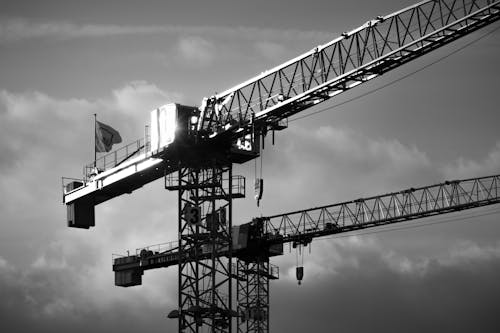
204,248
355,57
302,226
202,301
253,295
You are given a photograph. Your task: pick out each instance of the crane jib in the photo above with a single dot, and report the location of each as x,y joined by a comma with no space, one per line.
355,57
265,236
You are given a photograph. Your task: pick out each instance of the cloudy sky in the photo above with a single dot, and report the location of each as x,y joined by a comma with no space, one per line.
63,61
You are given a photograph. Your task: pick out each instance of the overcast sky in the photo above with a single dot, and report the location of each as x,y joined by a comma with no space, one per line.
63,61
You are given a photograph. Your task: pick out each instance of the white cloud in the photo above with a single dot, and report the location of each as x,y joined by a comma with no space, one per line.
467,168
64,272
196,51
330,259
328,164
20,29
140,97
34,122
58,307
42,139
4,265
468,251
271,50
403,265
460,254
358,147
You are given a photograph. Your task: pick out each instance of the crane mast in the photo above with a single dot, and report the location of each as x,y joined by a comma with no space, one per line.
194,149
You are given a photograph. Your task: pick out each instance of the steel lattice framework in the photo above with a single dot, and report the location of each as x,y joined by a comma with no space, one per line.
357,56
204,247
252,292
414,203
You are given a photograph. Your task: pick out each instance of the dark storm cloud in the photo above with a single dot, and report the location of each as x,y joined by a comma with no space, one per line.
44,300
58,292
441,296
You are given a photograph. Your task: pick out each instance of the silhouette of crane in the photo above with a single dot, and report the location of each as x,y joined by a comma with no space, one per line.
194,149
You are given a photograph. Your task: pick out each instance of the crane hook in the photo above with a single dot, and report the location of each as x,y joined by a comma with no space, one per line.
299,272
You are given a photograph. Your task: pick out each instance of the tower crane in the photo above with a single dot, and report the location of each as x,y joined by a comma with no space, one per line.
256,241
194,149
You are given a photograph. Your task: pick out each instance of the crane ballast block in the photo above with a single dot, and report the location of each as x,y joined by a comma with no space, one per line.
128,278
81,213
131,274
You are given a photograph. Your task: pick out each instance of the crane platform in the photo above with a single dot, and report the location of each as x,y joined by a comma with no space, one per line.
131,167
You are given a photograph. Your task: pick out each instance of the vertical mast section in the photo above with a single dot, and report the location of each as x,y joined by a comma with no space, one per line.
253,294
205,247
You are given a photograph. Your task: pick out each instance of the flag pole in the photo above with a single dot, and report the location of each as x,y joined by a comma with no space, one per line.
95,134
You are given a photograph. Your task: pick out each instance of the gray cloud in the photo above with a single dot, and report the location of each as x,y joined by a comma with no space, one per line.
196,51
19,29
49,298
465,168
271,50
63,280
330,164
53,278
458,295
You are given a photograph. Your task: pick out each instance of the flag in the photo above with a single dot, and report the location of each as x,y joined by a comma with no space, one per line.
105,137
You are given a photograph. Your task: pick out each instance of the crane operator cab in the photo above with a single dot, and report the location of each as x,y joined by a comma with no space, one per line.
175,126
171,123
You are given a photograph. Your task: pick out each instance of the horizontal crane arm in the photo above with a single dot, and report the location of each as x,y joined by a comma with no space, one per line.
304,225
410,204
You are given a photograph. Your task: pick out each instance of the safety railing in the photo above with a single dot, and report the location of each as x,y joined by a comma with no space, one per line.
157,248
117,157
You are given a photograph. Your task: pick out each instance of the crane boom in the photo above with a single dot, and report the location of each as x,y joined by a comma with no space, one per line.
264,102
410,204
355,57
263,236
